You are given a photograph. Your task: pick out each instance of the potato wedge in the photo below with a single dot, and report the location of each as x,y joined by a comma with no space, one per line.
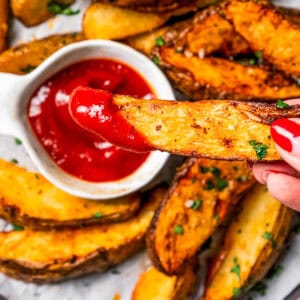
154,285
105,21
217,78
3,23
24,58
267,30
251,245
292,14
34,202
50,256
201,197
33,12
216,129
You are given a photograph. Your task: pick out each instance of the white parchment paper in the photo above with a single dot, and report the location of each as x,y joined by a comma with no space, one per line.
109,284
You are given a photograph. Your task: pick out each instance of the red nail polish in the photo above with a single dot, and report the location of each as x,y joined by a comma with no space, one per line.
283,132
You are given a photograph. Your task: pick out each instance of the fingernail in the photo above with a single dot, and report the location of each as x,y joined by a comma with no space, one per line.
286,134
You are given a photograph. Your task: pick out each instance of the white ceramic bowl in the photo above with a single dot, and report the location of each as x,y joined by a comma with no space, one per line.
16,90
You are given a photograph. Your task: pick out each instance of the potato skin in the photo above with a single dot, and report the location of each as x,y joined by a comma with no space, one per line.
29,55
153,285
169,251
51,256
3,23
33,12
253,241
210,128
36,203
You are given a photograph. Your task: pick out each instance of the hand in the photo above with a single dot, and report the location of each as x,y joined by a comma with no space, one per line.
283,178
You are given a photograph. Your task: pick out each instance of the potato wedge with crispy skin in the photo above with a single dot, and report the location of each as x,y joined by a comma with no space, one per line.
51,256
3,23
267,30
33,12
105,21
154,285
36,203
24,58
217,78
206,33
228,130
292,14
252,243
201,197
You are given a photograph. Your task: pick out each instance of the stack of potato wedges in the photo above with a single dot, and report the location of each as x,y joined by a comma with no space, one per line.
233,49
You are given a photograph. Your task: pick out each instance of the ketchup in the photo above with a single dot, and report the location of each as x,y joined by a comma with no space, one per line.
77,151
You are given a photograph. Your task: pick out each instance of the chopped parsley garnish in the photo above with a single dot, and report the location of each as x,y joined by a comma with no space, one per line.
194,179
236,269
259,148
269,236
237,292
28,69
14,161
282,105
56,8
260,288
196,204
203,169
159,41
215,171
252,61
221,184
115,272
259,57
98,214
17,227
156,59
217,217
18,141
275,271
178,229
209,185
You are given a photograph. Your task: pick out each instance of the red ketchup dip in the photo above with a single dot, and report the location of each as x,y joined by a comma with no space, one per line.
77,151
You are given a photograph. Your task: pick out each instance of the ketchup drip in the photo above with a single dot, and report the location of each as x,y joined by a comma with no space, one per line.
77,151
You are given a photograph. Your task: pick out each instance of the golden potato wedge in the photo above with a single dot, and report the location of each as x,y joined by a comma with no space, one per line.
145,42
3,23
105,21
50,256
217,78
154,285
34,202
33,12
251,245
24,58
292,14
201,197
267,30
216,129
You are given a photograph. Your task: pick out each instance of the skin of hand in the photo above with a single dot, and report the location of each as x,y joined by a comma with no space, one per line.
283,178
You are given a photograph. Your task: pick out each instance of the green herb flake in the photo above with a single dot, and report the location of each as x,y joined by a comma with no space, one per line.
215,171
115,272
18,141
156,59
203,170
258,54
259,148
269,236
275,271
221,184
194,179
98,215
252,61
56,8
17,227
178,229
159,41
282,105
237,292
209,185
217,217
196,204
27,69
236,269
260,288
14,161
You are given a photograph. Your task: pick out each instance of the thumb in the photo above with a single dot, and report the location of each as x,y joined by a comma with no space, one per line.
286,135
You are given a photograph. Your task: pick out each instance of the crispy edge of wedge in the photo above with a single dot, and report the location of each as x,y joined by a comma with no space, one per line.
3,24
